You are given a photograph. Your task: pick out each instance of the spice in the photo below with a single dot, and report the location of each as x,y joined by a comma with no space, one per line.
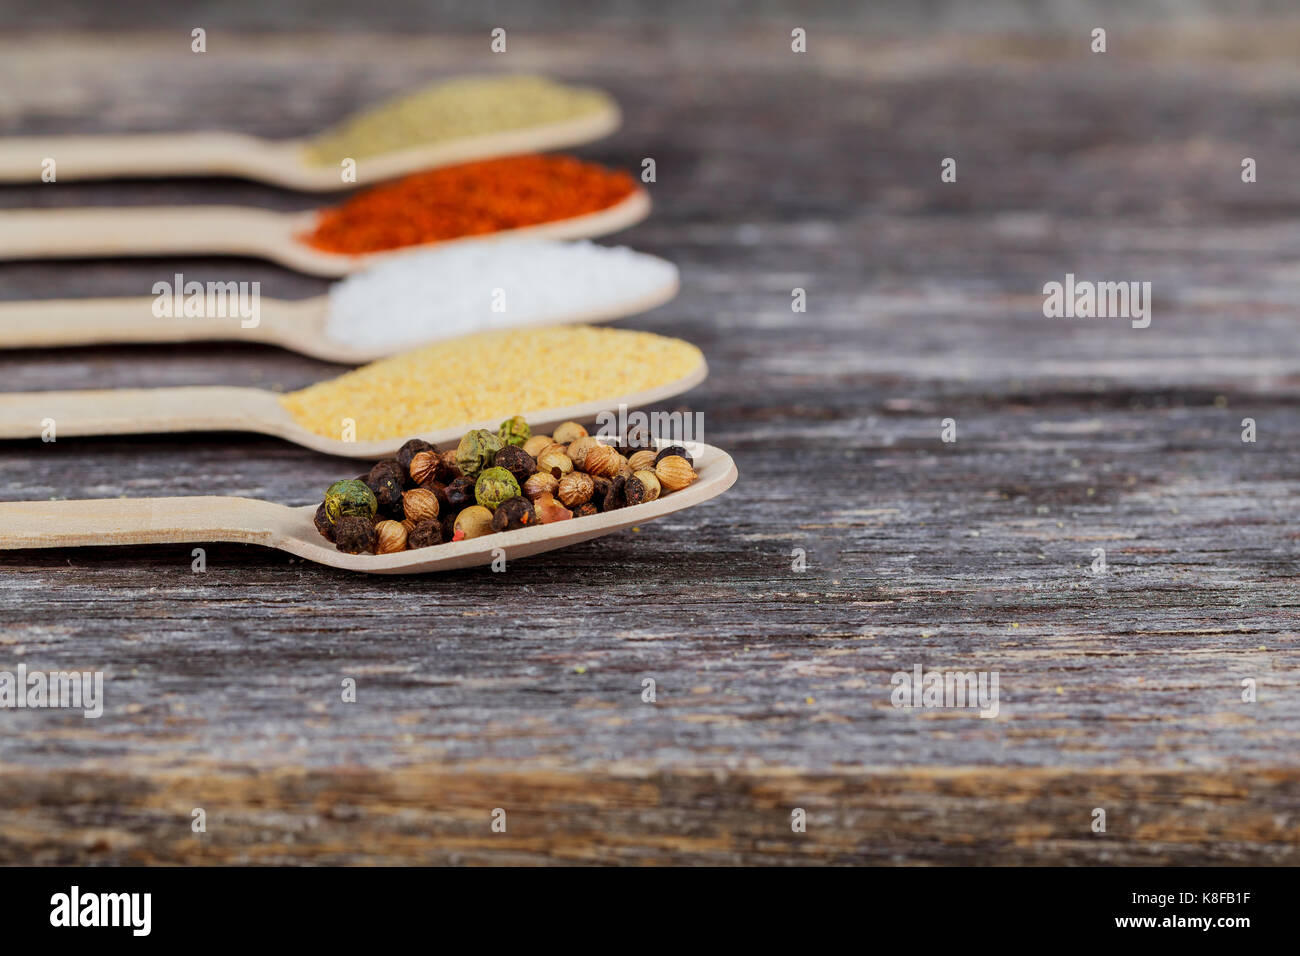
516,461
578,448
425,534
460,492
476,451
549,510
424,466
567,432
354,534
474,522
603,461
390,537
323,523
471,199
643,486
450,290
457,108
349,497
576,489
674,473
642,460
537,443
410,449
495,486
514,431
420,504
542,483
488,376
513,514
677,450
496,500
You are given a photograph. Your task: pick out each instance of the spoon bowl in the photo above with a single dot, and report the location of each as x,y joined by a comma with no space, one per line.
197,520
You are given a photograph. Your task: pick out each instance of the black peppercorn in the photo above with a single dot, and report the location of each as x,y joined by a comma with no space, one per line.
353,534
513,513
516,461
460,493
424,534
410,450
322,522
389,468
386,484
635,491
674,450
447,519
584,510
614,498
440,492
602,489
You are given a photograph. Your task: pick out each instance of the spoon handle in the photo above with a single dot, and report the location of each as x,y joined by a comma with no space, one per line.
111,521
139,411
52,323
140,231
31,159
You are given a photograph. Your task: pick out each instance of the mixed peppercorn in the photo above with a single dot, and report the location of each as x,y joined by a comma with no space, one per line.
493,481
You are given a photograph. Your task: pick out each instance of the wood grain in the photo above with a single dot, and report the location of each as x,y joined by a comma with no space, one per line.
523,691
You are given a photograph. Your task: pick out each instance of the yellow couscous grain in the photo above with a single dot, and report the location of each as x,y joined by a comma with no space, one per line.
455,109
491,375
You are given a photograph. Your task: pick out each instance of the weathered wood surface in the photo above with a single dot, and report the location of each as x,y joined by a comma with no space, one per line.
523,690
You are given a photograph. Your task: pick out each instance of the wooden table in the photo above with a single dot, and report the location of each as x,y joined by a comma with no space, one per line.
523,691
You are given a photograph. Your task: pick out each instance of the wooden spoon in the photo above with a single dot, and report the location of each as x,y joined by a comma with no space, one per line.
119,521
295,325
152,411
278,162
243,231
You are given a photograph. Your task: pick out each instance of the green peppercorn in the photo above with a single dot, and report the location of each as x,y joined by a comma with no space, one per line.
514,431
354,534
476,451
323,524
514,513
494,486
350,498
516,461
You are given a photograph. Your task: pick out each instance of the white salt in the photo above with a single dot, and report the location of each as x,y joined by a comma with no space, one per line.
476,286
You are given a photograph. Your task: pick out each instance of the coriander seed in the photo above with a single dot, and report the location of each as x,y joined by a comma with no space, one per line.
575,489
642,459
674,472
555,463
567,432
390,537
420,504
540,484
424,466
535,445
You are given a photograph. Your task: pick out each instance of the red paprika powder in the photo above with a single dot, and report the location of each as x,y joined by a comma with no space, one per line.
467,200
